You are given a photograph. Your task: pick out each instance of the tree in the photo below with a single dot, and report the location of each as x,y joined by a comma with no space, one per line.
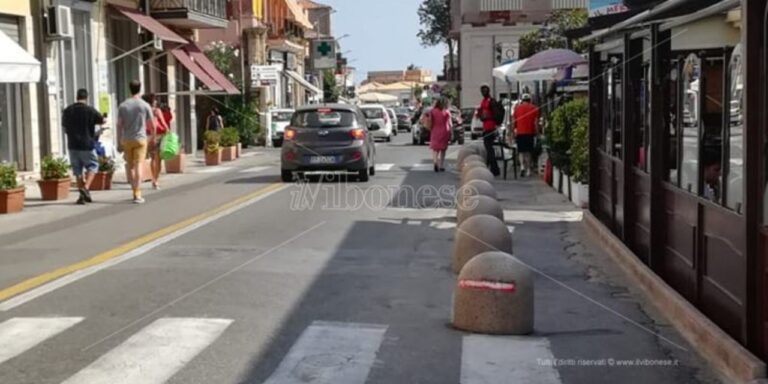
331,91
553,34
435,19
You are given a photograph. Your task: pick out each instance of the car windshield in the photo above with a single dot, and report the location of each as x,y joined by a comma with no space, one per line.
373,113
281,116
323,118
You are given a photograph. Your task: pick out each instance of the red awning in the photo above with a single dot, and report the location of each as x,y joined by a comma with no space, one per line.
210,68
183,57
160,31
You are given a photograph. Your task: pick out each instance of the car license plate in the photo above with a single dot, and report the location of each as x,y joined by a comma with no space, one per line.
322,160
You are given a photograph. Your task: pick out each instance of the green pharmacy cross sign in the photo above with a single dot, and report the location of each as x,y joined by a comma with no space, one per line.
323,53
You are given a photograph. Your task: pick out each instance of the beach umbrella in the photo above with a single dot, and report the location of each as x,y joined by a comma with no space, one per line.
552,59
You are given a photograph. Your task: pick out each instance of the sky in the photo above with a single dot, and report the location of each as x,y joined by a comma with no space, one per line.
382,35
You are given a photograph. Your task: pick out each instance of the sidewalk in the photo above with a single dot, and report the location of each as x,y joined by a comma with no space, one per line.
38,212
584,304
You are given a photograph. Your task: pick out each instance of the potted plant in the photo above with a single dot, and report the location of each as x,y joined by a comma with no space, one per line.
55,181
102,181
177,164
228,142
11,194
212,148
559,140
580,162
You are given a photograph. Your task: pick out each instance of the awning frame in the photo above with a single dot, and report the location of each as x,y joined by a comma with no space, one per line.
304,83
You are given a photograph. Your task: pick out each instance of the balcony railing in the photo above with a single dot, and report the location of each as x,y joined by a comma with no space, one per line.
522,5
569,4
214,8
501,5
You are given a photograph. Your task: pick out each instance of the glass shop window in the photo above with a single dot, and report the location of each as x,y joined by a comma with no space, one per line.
690,123
671,122
712,168
734,197
644,106
612,108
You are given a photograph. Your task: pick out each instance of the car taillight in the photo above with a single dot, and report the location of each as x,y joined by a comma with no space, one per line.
358,134
289,134
290,156
357,155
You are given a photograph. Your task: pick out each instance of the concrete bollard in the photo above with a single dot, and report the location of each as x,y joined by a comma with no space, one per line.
464,152
480,150
478,205
476,173
480,234
470,158
494,295
470,164
476,188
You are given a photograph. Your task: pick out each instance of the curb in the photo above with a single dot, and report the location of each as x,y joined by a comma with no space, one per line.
726,355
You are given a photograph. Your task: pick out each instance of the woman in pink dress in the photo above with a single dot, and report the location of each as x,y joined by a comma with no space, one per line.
440,134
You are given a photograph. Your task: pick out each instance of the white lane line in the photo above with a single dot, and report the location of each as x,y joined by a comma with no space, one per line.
21,334
422,167
384,167
213,169
75,276
501,360
154,354
325,353
251,154
255,169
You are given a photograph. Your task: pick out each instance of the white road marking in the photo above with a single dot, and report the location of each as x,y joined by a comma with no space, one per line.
255,169
501,360
154,354
75,276
422,167
216,169
251,154
384,167
338,353
21,334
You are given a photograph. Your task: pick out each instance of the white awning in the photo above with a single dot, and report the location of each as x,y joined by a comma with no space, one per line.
509,73
304,83
16,64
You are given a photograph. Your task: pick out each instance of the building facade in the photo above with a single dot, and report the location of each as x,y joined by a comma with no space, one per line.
488,32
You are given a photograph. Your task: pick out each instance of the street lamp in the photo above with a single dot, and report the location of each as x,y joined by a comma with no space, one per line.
342,37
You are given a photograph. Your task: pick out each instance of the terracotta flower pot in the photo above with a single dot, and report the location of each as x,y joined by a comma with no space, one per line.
177,164
213,158
229,153
102,181
11,200
54,189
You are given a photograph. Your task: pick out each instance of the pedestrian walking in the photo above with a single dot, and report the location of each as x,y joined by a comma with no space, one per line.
526,127
161,128
134,120
488,112
440,133
214,122
80,121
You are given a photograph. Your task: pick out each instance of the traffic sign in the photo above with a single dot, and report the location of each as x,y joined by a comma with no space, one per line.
264,75
323,54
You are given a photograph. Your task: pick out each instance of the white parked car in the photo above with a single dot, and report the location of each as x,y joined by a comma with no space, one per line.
376,113
281,118
393,119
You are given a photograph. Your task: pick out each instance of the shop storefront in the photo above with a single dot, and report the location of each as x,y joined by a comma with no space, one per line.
678,153
18,68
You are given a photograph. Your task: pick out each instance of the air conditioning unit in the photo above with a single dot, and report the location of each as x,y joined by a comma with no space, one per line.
59,22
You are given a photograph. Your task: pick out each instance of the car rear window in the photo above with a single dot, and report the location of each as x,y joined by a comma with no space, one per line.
282,116
373,113
323,118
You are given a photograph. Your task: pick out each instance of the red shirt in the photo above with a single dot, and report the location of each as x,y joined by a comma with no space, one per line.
526,115
486,115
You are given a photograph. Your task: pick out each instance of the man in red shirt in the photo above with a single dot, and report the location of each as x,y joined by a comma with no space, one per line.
526,118
485,113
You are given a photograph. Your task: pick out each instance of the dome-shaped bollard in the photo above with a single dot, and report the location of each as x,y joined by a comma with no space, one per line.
476,188
471,163
494,295
464,152
479,149
480,234
469,159
476,173
478,205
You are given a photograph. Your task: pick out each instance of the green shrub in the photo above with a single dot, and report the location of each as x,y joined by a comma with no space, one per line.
54,168
559,134
229,137
244,117
212,141
580,151
106,164
8,177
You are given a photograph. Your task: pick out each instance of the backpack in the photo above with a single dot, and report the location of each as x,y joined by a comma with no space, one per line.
426,120
498,111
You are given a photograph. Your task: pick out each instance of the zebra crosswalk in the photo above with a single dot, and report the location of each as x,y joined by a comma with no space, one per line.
325,352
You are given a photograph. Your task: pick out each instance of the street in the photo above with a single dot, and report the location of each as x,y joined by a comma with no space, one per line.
328,281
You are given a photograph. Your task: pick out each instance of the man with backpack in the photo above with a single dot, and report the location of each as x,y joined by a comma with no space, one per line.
491,113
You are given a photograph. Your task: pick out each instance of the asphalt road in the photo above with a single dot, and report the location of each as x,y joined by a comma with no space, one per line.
332,281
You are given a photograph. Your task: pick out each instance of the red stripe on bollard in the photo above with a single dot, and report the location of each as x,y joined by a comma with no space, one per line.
487,285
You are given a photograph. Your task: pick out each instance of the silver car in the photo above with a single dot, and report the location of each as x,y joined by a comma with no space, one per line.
330,137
